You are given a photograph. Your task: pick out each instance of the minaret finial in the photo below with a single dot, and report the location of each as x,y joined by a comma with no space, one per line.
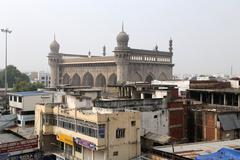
122,26
89,54
54,37
104,50
170,45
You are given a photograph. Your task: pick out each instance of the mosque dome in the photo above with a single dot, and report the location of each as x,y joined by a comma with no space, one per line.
122,37
54,47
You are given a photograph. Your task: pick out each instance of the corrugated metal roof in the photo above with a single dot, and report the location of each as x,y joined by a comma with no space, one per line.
229,121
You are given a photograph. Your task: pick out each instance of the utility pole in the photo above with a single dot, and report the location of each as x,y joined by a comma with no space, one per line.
6,31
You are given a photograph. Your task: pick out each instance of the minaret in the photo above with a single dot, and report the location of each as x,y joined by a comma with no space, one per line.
104,50
121,53
89,54
170,45
54,58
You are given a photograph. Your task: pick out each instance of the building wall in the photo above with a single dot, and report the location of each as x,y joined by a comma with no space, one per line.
105,70
176,120
140,72
29,102
210,126
155,122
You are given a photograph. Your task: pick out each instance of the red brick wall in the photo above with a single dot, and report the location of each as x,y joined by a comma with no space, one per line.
210,125
176,120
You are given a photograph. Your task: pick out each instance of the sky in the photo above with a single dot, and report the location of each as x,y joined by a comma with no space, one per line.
205,33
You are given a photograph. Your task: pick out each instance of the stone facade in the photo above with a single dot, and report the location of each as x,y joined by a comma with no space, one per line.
127,64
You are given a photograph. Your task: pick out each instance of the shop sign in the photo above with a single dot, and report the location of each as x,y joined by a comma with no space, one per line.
85,143
65,138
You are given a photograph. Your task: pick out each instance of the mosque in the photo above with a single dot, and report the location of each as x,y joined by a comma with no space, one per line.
127,64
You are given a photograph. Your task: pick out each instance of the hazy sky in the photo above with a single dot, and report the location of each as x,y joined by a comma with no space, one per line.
206,33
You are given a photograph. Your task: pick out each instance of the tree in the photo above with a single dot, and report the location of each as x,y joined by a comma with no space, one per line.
13,76
27,86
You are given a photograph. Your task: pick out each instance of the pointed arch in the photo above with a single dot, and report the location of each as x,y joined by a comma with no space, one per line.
137,77
149,78
76,80
163,77
66,79
100,81
112,80
88,80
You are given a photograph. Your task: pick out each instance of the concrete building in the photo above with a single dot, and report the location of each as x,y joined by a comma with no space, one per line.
208,123
78,131
161,114
23,104
127,64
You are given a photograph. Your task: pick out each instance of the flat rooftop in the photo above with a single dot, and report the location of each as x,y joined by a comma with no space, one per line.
25,132
9,137
29,93
192,150
225,90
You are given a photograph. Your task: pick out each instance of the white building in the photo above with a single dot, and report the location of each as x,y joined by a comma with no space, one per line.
42,77
23,104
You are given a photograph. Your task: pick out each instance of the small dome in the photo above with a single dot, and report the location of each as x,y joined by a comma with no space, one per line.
122,37
54,47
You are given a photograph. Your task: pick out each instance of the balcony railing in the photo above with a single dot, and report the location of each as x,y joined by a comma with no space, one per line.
128,103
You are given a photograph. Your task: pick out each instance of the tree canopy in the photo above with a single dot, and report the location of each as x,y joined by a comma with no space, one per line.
27,86
14,76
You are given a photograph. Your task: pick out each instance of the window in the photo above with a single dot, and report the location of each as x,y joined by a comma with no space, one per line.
120,133
115,153
78,148
68,149
15,98
133,123
10,98
18,122
101,130
29,123
155,116
19,99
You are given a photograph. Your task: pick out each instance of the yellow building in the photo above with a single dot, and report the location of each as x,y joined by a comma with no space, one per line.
87,134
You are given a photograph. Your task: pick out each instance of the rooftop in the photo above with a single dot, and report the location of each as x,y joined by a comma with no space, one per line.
225,90
192,150
8,137
29,93
25,132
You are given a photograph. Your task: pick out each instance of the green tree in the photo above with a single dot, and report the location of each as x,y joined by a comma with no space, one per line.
27,86
13,76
